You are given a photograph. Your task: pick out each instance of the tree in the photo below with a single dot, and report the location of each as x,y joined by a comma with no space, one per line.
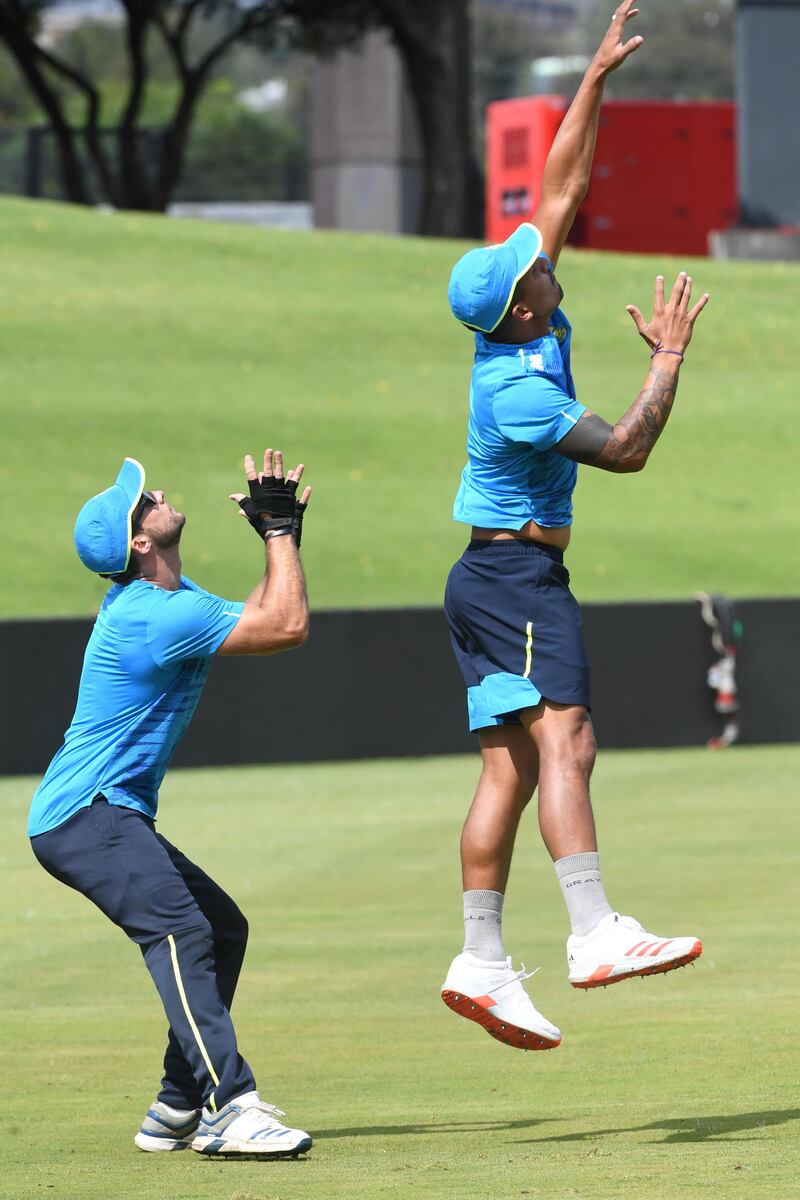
505,43
432,38
196,35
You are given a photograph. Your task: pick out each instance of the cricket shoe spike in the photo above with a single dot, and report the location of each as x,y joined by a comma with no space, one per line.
247,1125
166,1128
619,948
491,994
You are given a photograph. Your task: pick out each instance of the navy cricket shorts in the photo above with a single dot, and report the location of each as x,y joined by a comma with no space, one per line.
516,630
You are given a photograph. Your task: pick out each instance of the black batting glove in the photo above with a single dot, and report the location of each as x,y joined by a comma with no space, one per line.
272,507
297,523
262,522
273,495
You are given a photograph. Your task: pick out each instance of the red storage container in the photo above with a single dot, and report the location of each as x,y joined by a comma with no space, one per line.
519,134
664,172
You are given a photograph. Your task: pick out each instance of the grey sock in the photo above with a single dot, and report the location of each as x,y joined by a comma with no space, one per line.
483,924
583,891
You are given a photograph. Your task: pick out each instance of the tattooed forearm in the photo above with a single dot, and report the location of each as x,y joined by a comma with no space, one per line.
627,445
639,430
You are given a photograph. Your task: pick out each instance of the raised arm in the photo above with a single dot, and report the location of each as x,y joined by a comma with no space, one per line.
275,615
569,164
626,446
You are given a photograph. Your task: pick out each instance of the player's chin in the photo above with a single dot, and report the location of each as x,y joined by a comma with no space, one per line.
173,534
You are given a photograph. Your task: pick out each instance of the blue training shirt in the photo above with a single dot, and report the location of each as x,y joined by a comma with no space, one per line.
521,403
143,671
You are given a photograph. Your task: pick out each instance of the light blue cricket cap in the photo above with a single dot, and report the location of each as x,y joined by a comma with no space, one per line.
483,280
103,529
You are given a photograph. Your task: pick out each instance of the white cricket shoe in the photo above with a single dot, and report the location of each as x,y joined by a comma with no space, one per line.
618,948
165,1128
492,994
247,1125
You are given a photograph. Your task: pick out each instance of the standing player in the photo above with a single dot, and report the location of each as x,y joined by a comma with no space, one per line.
515,626
92,821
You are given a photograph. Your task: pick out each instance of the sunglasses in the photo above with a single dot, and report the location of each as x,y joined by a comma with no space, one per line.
147,499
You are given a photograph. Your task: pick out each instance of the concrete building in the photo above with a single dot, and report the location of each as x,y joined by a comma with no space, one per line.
365,153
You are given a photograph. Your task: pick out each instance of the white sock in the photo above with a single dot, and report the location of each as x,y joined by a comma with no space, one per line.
583,891
483,924
177,1113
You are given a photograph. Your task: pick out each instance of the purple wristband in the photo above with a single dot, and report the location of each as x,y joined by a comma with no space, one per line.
658,350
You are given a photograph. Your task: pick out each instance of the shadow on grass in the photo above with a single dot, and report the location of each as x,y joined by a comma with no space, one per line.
690,1129
434,1127
676,1129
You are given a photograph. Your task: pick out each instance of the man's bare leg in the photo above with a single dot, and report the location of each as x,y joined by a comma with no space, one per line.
555,747
564,740
480,984
508,780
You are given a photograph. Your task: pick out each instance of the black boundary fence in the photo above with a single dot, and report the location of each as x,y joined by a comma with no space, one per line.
377,683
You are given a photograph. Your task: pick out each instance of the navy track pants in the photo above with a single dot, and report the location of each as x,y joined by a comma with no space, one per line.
190,932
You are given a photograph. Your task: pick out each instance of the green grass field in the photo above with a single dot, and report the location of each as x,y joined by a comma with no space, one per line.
186,344
675,1087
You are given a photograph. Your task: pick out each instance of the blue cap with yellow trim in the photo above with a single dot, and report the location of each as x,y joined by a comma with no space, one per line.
483,280
103,529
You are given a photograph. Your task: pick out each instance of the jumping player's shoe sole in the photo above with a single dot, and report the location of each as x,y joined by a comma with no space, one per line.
477,1009
608,973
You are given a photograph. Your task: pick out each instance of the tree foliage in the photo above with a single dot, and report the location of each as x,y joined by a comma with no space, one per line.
505,43
688,52
192,37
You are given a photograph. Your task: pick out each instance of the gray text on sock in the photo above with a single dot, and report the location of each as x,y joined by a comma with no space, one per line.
483,924
583,891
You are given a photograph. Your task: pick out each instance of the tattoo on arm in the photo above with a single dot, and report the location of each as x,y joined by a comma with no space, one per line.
626,445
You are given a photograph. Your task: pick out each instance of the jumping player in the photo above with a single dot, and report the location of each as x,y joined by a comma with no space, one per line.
515,626
92,821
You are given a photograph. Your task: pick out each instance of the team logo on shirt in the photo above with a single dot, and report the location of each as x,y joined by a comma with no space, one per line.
530,360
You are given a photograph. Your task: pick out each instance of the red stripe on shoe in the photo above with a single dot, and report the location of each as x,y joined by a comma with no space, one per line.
484,1001
647,946
601,973
636,947
662,946
636,972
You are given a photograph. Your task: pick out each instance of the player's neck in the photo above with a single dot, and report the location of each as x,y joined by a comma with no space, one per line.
165,570
521,332
531,331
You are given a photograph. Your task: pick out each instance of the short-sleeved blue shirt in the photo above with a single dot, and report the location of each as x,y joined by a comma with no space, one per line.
143,671
522,402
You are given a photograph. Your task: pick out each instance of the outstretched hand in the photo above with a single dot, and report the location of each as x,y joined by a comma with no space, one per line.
273,498
272,473
672,323
613,50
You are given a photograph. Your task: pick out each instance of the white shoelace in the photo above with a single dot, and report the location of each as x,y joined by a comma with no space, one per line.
630,923
517,977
